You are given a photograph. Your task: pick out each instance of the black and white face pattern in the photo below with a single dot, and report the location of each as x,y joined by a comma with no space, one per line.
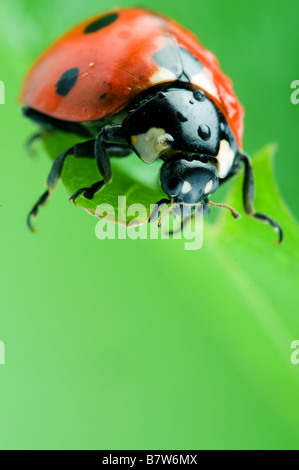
183,121
188,182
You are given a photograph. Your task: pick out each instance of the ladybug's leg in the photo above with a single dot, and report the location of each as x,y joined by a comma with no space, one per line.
29,144
109,135
84,149
118,151
248,197
49,124
157,210
186,214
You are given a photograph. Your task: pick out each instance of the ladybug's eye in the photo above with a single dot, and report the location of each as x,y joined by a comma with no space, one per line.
151,144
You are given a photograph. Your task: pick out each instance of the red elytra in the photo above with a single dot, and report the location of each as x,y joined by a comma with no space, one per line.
115,63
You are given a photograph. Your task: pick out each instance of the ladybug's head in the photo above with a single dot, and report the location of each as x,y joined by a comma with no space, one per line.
185,128
188,181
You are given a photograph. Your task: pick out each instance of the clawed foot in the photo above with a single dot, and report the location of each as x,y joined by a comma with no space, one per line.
34,212
88,193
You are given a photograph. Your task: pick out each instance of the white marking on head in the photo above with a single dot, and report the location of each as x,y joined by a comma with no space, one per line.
226,157
209,187
186,188
151,144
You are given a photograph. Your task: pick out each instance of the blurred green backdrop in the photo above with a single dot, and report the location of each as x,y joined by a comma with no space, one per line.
140,344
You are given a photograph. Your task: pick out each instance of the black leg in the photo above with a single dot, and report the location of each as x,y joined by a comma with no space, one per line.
118,151
112,149
157,210
183,213
108,135
186,214
34,212
111,139
85,149
206,209
31,141
249,194
48,123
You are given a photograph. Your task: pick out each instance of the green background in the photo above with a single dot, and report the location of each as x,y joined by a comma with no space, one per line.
140,344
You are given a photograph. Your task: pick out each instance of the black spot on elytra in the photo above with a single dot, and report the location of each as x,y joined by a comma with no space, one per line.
103,96
101,23
179,61
204,132
181,117
67,81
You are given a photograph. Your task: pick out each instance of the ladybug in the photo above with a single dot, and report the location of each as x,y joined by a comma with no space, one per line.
131,79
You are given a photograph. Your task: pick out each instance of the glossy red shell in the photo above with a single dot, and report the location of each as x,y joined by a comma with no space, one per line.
115,64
